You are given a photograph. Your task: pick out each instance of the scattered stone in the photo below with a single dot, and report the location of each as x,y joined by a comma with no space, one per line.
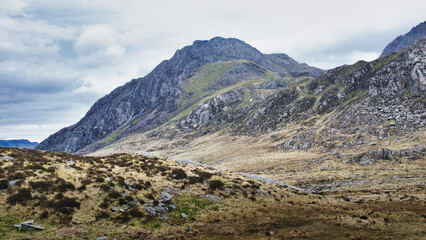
189,229
13,182
165,197
102,238
6,158
212,197
163,218
151,211
114,209
28,226
184,215
162,208
172,206
133,204
372,156
184,162
129,184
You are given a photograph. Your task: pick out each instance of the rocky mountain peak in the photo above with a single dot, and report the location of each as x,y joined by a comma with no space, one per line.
415,34
147,102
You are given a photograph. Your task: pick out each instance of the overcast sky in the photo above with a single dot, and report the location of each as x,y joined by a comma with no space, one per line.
58,57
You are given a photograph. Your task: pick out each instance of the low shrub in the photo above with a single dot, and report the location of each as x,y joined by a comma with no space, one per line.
21,197
102,214
216,184
178,174
44,214
42,186
4,184
114,194
67,202
134,212
194,179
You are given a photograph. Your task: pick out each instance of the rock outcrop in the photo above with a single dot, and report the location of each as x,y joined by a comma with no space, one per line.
371,157
210,109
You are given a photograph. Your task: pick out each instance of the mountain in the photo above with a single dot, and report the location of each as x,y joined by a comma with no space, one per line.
145,103
18,143
415,34
352,111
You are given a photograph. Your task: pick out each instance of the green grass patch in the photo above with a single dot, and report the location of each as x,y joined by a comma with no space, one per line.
191,205
197,88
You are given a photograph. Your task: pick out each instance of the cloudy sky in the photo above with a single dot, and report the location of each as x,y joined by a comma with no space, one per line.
58,57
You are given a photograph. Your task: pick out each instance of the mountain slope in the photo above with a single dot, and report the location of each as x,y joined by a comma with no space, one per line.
18,143
415,34
129,196
147,102
350,110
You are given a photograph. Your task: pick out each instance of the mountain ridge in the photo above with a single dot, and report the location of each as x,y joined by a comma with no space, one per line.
153,98
415,34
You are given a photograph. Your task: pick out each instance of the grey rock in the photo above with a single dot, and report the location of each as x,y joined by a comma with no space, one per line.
71,163
132,204
163,218
212,197
184,162
299,142
273,84
102,238
209,110
12,183
151,211
114,209
172,207
165,197
28,226
6,158
162,208
184,215
369,158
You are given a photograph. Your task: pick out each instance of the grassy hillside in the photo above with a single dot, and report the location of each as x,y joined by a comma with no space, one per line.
73,196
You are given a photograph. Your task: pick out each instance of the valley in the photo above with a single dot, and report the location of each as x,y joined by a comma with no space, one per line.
222,141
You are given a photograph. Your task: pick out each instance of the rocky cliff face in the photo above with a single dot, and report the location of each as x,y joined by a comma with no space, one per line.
417,33
147,102
366,100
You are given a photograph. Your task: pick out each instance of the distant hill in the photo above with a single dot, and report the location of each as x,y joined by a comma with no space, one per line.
18,143
415,34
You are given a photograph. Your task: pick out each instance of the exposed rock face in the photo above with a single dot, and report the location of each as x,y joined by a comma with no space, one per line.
417,33
407,70
147,102
273,84
299,142
368,99
210,109
242,72
371,157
